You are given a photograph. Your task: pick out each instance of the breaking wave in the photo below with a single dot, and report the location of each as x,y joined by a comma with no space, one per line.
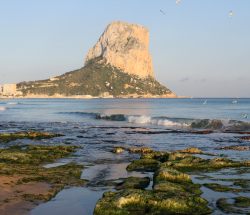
163,121
142,119
211,124
12,103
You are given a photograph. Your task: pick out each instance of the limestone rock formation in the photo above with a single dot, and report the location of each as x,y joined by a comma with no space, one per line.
119,66
126,47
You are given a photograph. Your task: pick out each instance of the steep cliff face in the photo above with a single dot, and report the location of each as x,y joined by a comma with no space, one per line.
126,47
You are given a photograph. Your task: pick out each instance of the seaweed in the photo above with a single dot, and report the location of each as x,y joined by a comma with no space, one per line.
133,183
26,164
147,165
33,135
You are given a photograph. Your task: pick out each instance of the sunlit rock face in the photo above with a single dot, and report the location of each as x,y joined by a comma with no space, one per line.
119,65
126,47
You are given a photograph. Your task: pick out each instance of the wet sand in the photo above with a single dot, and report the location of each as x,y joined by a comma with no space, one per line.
11,195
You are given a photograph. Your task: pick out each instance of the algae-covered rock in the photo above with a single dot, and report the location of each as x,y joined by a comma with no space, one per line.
243,183
148,165
168,180
34,135
166,186
221,188
172,175
113,117
246,138
65,175
173,190
182,161
243,202
207,124
142,150
139,202
174,156
118,150
23,168
34,154
240,205
27,161
156,155
192,150
173,193
133,183
185,162
236,148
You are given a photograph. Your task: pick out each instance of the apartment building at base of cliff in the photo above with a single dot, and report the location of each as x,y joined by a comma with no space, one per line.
9,90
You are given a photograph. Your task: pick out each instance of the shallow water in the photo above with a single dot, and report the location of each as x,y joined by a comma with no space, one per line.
77,201
162,124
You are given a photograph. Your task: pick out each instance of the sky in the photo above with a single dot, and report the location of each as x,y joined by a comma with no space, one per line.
198,49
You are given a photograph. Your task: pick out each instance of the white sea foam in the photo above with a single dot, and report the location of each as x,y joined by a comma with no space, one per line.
166,122
154,121
139,119
12,103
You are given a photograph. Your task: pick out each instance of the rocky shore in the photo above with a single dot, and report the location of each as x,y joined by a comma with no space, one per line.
25,182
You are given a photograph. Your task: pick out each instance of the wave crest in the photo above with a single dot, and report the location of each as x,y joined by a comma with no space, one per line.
163,121
139,119
12,103
211,124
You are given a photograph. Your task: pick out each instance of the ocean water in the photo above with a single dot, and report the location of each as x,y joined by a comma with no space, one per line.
100,124
59,110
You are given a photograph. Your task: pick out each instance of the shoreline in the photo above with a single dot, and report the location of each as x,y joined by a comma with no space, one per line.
170,96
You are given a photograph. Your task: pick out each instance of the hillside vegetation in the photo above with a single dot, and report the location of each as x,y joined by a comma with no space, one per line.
95,79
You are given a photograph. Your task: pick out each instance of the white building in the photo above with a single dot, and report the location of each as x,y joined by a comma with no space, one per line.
8,89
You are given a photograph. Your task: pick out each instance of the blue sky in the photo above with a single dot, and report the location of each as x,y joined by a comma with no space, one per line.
197,49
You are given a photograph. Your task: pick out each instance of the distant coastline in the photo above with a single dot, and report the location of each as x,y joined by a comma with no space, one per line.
134,96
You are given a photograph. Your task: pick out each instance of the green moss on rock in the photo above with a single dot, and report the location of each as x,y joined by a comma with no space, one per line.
118,150
140,150
221,188
156,155
26,164
34,154
170,179
172,175
34,135
243,183
186,162
173,190
133,183
243,202
139,202
192,150
148,165
238,206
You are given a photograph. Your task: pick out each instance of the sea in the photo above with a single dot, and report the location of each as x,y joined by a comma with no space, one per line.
99,125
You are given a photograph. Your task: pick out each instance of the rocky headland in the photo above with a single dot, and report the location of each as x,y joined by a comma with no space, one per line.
118,65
